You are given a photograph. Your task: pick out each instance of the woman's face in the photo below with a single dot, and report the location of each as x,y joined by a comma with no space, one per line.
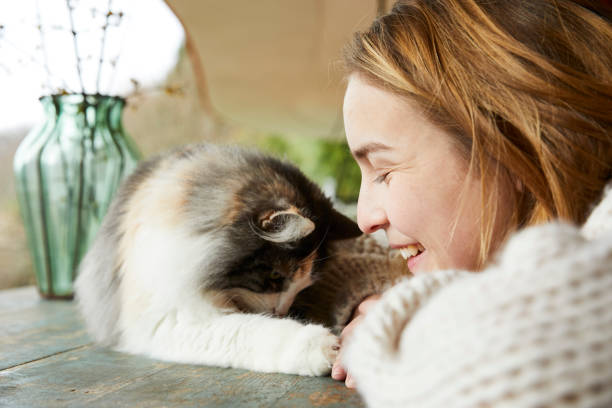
413,180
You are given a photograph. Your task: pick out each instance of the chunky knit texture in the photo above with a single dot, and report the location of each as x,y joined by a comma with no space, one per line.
532,330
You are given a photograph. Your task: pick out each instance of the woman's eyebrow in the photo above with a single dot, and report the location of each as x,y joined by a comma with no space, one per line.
362,152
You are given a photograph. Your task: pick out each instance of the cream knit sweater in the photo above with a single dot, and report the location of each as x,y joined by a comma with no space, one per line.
532,330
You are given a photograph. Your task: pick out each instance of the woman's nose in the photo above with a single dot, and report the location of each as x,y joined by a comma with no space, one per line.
371,215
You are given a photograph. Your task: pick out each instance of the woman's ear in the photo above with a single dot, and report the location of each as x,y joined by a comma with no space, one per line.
342,227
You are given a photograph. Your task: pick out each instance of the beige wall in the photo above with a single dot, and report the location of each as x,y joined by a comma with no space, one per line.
274,65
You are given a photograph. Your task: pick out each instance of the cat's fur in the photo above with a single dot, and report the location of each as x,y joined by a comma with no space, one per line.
356,268
202,251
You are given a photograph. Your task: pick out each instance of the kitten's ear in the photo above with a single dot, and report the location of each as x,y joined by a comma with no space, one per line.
342,227
285,226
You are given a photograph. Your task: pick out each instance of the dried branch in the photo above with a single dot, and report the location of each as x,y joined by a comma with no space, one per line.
42,47
101,61
76,48
114,61
32,59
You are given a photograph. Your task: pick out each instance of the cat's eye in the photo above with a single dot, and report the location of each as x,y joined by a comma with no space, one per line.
274,275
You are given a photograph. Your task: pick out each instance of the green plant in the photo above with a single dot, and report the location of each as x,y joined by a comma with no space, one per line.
319,159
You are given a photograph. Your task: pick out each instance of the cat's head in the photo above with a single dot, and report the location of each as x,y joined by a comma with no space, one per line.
276,227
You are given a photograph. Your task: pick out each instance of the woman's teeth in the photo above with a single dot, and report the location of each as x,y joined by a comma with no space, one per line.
411,250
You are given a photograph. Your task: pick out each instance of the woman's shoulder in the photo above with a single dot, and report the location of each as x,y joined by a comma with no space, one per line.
566,251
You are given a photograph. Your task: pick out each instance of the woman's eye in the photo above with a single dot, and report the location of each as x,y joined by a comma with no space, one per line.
275,275
383,178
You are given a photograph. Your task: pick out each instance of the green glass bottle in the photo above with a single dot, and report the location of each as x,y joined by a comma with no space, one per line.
67,171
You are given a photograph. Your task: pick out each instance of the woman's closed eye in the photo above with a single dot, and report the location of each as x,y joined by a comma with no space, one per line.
383,178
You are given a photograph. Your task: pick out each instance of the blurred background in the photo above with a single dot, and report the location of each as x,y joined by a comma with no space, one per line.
264,73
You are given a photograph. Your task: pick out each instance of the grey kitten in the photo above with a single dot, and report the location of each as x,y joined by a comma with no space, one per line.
202,253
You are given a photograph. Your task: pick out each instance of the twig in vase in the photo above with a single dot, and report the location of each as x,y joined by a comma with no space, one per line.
101,61
42,47
113,61
31,58
76,48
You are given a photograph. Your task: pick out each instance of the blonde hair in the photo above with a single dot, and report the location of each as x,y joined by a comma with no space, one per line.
523,87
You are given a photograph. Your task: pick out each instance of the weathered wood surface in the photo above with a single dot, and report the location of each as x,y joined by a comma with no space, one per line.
46,359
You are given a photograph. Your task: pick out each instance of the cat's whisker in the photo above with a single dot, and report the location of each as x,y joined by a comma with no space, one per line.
318,260
322,239
253,228
307,259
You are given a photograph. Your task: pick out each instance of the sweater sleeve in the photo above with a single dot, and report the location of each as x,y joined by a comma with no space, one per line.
532,330
599,222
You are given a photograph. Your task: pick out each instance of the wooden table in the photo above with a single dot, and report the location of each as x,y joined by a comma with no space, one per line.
47,360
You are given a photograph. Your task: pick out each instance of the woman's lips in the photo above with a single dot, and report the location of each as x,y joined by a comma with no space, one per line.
412,254
413,261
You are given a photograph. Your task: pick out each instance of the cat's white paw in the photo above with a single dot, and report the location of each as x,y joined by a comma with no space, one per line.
318,350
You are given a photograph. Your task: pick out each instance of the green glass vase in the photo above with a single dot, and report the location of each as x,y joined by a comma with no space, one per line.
67,171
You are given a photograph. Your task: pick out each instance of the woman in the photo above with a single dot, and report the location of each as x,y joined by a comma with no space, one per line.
483,130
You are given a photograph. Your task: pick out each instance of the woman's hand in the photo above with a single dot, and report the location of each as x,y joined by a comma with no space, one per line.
338,371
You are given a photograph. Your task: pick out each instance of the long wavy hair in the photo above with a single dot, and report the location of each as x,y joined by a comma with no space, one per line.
523,87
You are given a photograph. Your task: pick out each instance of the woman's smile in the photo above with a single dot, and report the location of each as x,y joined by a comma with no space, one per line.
413,254
427,200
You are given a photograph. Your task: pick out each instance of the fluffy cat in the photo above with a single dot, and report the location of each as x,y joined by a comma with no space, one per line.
201,255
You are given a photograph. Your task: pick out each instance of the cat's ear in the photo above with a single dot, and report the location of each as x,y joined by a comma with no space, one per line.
342,227
284,226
